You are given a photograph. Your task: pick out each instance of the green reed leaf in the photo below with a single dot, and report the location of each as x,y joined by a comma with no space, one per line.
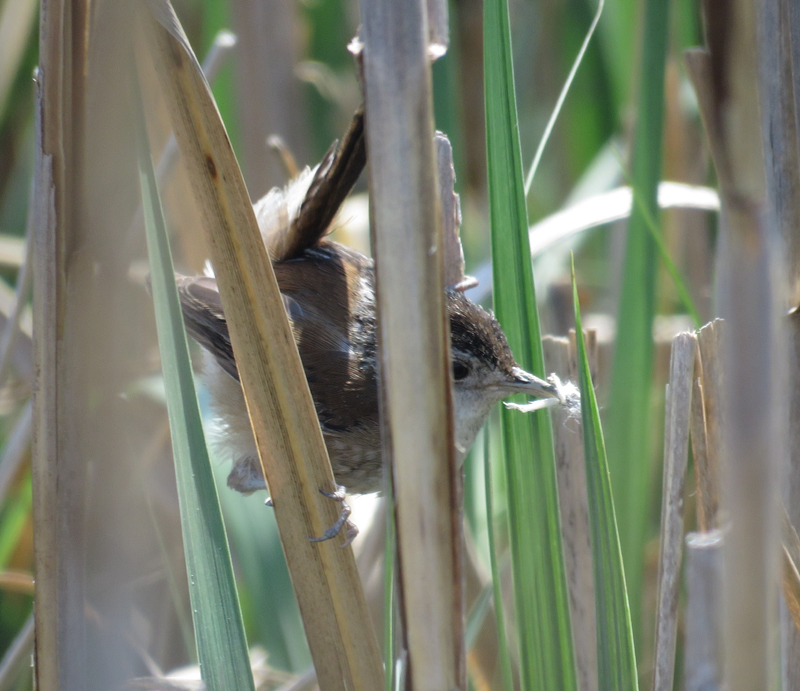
219,632
616,659
630,410
546,655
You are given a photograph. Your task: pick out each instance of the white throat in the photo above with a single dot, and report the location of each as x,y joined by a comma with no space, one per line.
471,407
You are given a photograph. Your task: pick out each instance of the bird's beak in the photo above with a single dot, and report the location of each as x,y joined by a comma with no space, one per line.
523,382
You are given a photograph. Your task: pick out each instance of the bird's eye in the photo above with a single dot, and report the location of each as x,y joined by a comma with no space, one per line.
460,371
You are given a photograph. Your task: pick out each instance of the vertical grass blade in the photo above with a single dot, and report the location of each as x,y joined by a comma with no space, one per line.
221,644
629,408
663,252
616,661
546,655
562,96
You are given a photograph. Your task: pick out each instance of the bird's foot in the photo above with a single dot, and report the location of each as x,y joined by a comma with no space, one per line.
343,521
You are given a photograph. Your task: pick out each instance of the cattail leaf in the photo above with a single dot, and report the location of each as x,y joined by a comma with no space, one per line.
616,661
546,656
630,412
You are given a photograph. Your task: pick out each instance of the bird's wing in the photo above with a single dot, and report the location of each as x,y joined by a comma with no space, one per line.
205,320
319,318
335,331
335,343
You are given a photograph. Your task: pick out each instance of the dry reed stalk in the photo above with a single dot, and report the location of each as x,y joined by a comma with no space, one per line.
699,437
779,39
59,90
710,339
93,331
726,80
292,451
17,582
702,666
676,455
193,251
453,253
560,356
780,130
413,338
709,369
468,33
178,197
790,580
269,94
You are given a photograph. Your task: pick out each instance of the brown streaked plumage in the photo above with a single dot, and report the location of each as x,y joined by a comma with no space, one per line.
328,292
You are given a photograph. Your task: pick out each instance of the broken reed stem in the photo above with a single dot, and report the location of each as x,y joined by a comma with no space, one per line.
706,415
453,253
291,448
560,357
702,661
706,510
676,455
748,269
709,365
705,422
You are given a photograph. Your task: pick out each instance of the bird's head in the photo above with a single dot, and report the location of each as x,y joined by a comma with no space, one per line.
484,369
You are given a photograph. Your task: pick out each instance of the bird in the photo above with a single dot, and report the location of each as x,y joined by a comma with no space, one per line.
328,292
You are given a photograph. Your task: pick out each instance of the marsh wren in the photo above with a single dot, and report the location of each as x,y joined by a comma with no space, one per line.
328,293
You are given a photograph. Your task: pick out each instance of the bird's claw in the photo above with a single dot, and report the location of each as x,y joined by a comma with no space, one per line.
338,495
342,522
